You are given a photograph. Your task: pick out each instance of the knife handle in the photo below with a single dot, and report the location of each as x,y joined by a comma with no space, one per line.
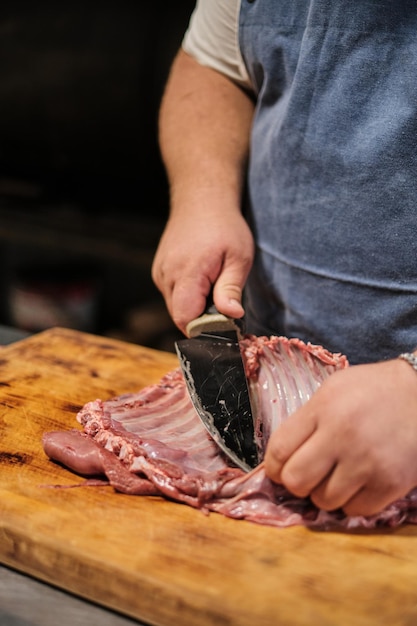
212,321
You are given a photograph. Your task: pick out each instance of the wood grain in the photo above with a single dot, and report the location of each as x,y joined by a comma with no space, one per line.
160,561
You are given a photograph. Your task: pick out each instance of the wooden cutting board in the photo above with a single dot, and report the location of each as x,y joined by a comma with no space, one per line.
159,561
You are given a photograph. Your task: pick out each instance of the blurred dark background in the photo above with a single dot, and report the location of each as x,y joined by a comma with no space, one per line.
83,193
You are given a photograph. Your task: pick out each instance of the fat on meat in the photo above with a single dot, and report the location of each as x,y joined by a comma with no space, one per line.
152,442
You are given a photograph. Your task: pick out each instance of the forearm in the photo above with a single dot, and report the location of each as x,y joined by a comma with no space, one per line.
204,130
205,122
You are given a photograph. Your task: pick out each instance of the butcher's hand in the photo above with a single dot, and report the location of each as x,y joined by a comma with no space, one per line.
354,443
199,252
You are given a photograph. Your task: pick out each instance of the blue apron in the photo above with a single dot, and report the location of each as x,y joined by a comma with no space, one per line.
332,182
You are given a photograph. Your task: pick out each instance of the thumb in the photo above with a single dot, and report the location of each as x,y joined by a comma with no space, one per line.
227,293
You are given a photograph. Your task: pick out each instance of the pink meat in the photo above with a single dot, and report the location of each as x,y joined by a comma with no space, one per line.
153,443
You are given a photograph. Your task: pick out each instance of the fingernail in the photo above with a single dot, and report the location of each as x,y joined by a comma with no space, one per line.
235,304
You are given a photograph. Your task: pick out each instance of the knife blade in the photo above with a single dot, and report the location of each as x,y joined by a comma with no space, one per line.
214,372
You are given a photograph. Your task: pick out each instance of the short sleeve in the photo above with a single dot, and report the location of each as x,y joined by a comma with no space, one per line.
212,38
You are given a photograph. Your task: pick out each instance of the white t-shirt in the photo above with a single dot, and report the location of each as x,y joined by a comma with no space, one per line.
212,38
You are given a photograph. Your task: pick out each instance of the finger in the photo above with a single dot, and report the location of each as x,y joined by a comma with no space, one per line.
227,297
286,440
366,502
358,489
308,466
227,293
373,498
338,488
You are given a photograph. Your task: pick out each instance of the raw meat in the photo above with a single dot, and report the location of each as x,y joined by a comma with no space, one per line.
153,443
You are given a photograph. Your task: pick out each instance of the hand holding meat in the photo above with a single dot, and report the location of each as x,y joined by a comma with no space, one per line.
198,251
354,444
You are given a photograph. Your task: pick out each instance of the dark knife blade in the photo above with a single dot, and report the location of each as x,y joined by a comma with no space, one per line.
214,372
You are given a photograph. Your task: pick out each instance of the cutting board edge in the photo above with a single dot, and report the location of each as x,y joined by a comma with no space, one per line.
159,603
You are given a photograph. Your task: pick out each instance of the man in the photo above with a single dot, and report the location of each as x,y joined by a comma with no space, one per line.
304,114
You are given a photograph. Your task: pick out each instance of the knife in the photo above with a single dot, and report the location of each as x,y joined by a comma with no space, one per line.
214,372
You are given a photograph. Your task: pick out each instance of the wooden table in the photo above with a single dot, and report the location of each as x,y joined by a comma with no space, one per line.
150,559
